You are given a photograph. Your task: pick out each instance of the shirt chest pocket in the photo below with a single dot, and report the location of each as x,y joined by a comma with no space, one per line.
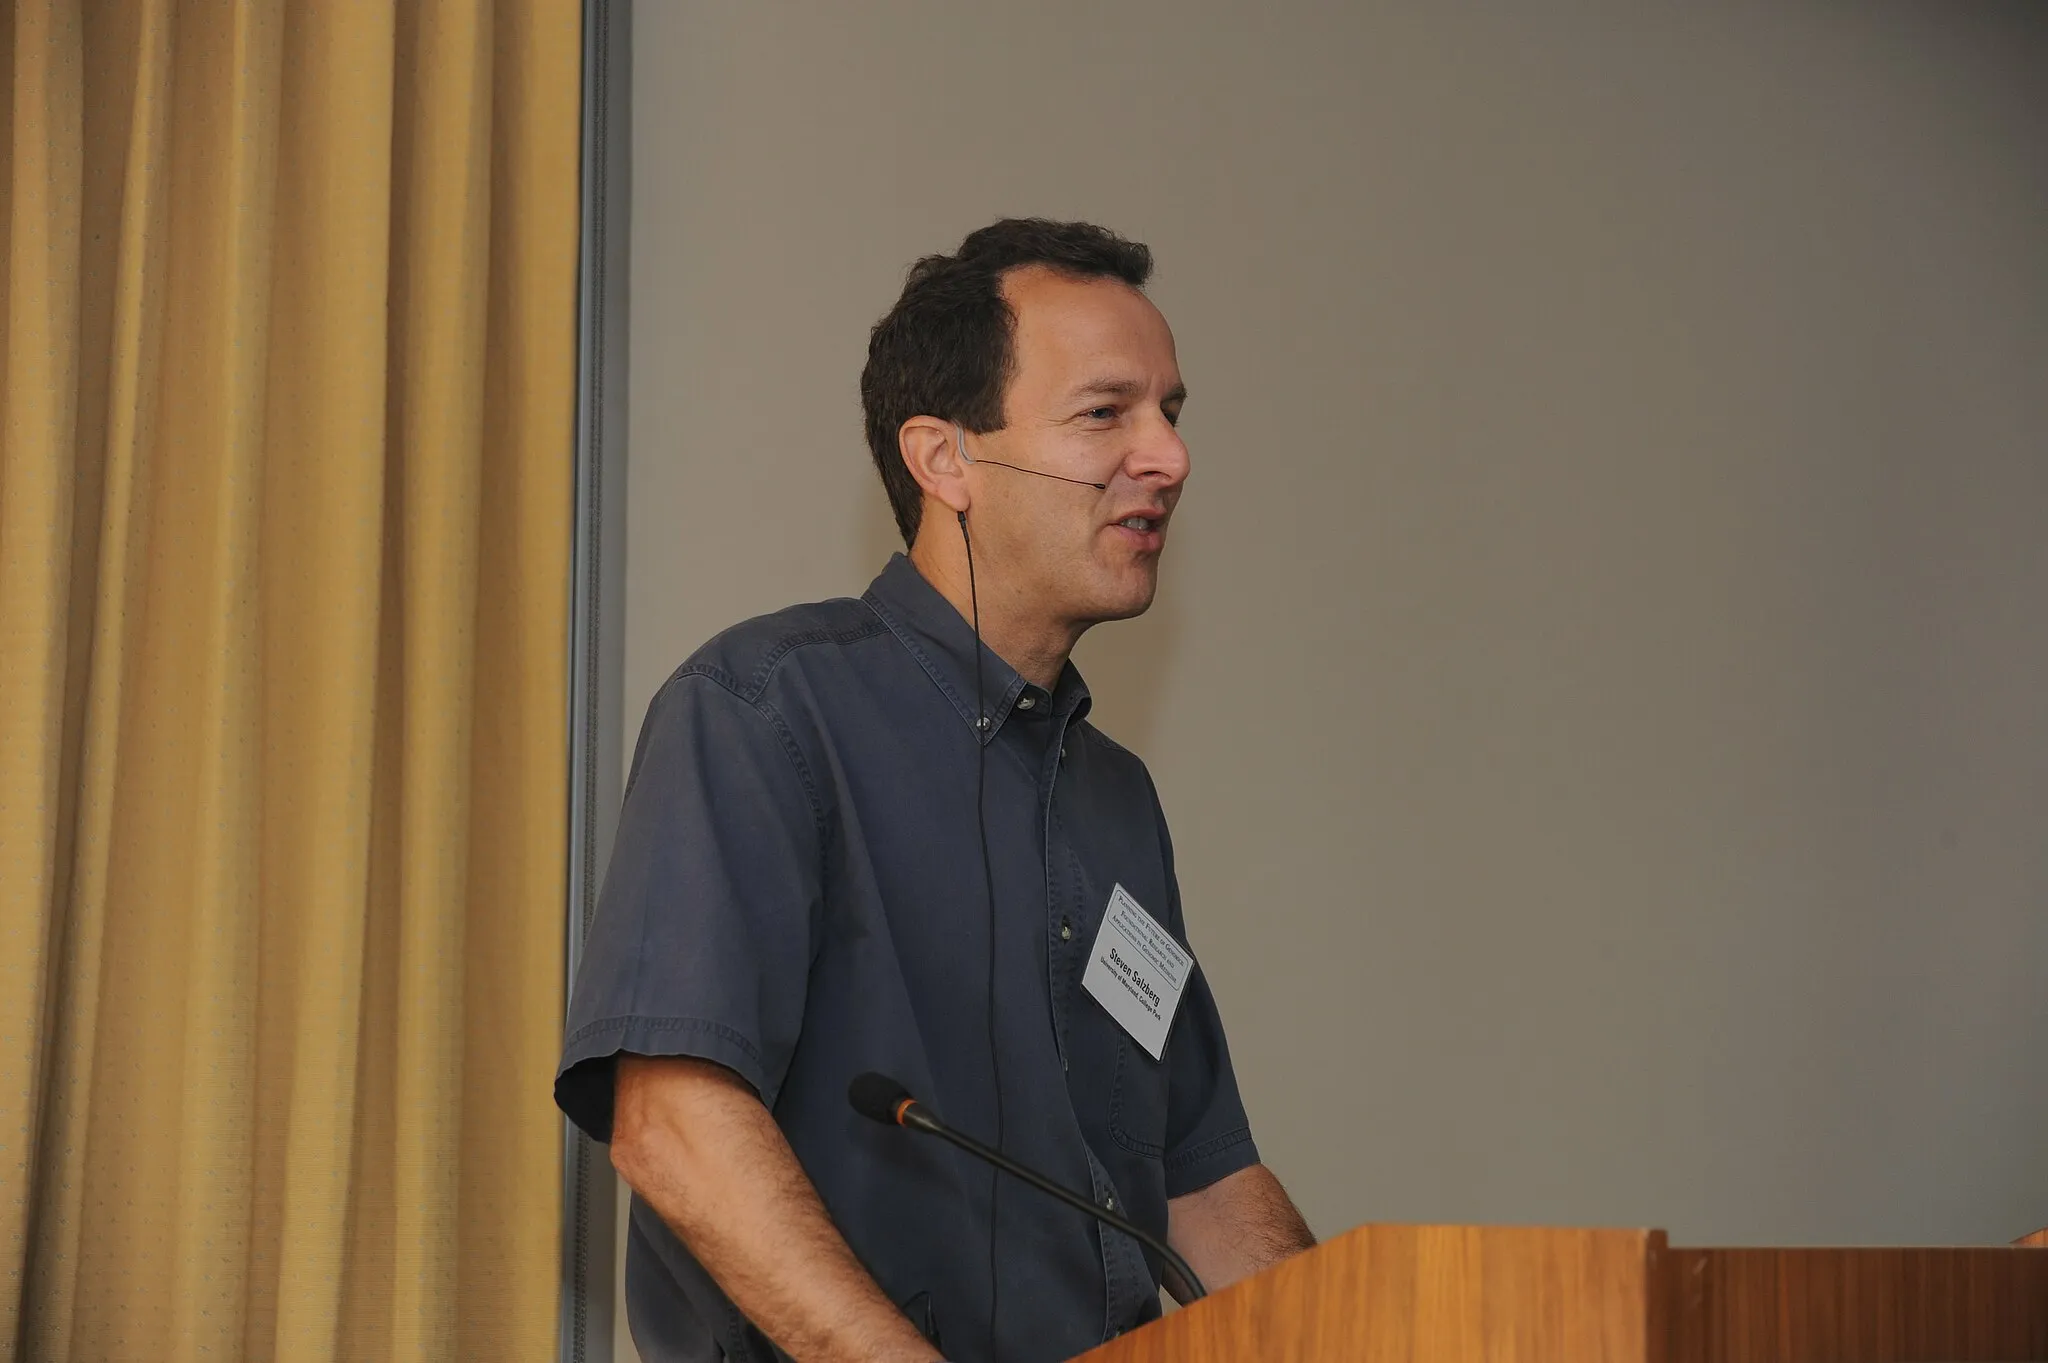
1096,864
1137,1105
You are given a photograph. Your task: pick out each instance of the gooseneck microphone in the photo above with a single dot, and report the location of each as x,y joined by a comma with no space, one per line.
960,443
880,1098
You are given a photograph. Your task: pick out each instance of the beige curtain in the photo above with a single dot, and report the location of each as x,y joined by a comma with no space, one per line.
285,509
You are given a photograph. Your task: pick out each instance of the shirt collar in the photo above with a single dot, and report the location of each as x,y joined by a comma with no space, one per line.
942,641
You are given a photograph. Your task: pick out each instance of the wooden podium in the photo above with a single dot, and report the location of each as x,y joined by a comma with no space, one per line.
1492,1294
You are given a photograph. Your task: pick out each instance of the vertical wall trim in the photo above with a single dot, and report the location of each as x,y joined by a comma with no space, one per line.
597,642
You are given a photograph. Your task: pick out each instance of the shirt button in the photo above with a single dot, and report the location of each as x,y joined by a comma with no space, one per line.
1026,703
1108,1203
1066,930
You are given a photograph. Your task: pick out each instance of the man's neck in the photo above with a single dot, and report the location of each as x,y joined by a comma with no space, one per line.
1036,647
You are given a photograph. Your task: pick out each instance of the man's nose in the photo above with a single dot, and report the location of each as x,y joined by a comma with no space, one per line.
1160,456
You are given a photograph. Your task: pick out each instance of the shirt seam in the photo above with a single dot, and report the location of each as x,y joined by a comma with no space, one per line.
1208,1149
791,749
764,671
1140,1148
630,1021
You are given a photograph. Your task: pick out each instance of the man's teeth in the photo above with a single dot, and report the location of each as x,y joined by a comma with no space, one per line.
1135,523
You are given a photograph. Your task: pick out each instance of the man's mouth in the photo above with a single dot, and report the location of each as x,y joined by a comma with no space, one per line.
1140,523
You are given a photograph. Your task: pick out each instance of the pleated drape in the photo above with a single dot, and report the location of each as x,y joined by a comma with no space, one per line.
285,501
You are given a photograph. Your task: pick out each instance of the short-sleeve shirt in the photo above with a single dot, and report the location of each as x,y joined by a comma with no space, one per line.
797,893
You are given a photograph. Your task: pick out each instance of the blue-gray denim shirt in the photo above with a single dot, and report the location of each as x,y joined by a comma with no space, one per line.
796,893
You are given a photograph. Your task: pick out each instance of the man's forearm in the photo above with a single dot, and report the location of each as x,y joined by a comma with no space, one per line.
1235,1227
696,1143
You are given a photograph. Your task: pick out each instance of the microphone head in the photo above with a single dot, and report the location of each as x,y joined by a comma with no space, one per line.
877,1097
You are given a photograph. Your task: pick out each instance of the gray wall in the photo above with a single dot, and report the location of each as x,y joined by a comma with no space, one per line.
1599,685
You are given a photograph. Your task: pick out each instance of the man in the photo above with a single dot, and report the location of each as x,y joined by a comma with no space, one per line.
853,841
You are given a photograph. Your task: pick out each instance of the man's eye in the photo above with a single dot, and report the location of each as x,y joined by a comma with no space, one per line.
1101,413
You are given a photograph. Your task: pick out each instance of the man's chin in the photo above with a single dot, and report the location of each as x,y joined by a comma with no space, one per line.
1133,601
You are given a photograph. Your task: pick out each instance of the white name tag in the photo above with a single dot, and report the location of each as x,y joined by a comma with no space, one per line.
1137,972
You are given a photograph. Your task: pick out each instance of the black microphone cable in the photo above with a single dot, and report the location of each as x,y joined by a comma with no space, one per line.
988,879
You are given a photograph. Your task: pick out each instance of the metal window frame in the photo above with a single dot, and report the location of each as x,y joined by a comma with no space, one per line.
596,645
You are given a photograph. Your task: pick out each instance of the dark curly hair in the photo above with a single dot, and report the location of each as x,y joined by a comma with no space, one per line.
947,348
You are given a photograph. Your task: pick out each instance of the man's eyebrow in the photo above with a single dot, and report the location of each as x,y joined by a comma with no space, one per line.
1126,388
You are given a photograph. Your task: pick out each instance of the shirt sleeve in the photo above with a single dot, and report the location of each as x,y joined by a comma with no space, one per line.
702,939
1208,1135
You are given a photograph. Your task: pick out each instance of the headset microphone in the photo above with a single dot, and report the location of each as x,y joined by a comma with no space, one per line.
960,444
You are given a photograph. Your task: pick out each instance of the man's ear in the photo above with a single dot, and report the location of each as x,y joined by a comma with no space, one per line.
931,452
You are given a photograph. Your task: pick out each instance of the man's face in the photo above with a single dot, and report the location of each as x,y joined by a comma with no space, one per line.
1095,396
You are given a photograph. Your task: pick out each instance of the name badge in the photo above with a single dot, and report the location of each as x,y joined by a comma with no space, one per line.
1137,972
